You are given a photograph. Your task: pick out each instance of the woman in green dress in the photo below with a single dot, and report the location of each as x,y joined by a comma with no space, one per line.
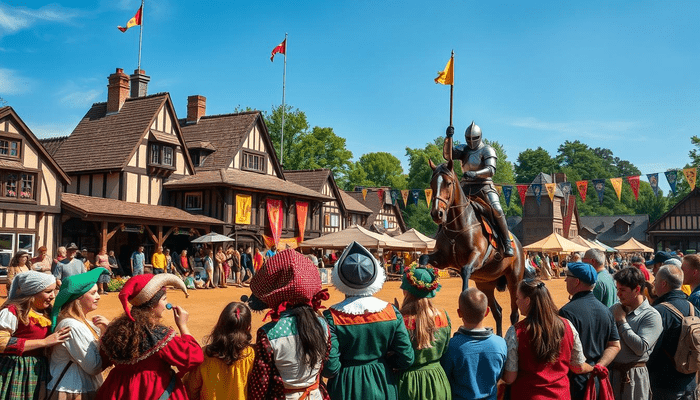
429,329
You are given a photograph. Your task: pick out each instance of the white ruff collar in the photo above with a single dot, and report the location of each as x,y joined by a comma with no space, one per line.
360,305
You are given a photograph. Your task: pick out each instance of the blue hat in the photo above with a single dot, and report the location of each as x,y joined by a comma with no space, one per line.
357,272
583,272
660,257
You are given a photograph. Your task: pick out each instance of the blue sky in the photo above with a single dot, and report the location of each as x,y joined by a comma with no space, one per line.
615,74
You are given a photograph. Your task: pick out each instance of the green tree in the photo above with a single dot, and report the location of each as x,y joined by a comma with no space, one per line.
694,154
382,169
320,148
419,172
295,125
418,217
532,162
505,174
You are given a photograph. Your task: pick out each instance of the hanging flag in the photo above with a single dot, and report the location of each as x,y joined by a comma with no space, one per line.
302,210
281,48
404,195
447,76
380,194
537,191
364,194
522,190
275,215
428,196
394,196
499,189
132,22
568,217
415,193
565,188
654,182
599,186
617,185
507,192
690,176
634,183
243,209
551,187
672,178
582,187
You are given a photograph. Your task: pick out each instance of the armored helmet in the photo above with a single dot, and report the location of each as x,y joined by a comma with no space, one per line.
473,136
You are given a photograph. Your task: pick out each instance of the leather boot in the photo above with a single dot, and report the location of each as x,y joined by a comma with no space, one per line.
505,235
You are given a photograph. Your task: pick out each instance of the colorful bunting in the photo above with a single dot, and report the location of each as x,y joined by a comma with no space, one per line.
634,183
394,196
537,190
364,194
690,176
582,187
565,188
551,187
522,190
428,196
404,195
507,192
415,193
599,186
672,178
499,189
302,211
617,185
654,182
380,194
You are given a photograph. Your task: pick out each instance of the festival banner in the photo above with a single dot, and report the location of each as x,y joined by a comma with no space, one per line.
617,185
565,188
380,194
499,189
243,208
568,216
507,192
654,182
582,187
404,196
690,176
599,186
428,196
634,183
522,190
394,196
537,190
672,178
275,215
302,210
551,187
415,193
364,194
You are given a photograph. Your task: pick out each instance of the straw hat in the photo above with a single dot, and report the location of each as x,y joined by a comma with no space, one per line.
141,288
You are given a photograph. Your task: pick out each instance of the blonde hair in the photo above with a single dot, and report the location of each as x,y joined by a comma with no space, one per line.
424,312
75,310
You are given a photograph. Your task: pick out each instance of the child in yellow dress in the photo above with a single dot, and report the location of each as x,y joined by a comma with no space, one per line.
228,358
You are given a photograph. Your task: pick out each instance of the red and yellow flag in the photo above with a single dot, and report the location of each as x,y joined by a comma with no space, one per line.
447,76
281,48
132,22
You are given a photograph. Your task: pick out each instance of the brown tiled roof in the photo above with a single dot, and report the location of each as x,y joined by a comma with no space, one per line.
313,179
200,144
244,179
353,205
373,203
225,132
88,206
52,144
11,164
102,141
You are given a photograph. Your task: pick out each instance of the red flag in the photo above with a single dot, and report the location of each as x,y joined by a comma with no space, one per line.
522,189
380,193
276,217
132,22
302,209
634,183
582,187
281,48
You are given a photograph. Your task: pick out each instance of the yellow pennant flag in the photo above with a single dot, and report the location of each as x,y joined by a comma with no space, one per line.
617,185
691,174
499,188
447,76
404,195
428,196
551,187
364,194
243,208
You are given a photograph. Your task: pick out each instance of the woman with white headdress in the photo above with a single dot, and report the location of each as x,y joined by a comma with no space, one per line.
24,336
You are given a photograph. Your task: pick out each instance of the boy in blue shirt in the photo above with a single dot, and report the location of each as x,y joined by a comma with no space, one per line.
475,356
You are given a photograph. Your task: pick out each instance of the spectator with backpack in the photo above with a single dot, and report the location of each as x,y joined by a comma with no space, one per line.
665,379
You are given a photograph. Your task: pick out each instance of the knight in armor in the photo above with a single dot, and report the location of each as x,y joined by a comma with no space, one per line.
479,165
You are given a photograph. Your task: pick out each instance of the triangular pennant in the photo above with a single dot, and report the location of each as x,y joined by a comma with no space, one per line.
537,190
499,189
654,182
691,175
582,187
364,194
428,196
565,188
415,193
634,184
507,192
672,178
522,190
599,186
380,194
550,190
394,196
404,195
617,185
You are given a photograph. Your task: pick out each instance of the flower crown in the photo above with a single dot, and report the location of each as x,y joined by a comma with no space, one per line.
411,277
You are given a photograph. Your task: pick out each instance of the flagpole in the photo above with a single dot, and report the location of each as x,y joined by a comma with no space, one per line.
452,86
284,84
140,35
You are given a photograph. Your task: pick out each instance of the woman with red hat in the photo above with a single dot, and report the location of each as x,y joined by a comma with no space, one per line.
142,349
291,349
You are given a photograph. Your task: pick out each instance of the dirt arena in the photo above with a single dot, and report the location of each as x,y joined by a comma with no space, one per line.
204,306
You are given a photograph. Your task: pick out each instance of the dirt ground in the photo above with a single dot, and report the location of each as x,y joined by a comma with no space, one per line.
204,306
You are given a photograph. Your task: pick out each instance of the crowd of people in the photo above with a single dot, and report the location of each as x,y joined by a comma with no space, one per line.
617,333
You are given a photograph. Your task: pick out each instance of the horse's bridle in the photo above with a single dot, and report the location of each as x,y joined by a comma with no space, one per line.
447,204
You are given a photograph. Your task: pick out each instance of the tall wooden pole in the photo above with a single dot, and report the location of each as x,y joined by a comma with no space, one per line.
140,35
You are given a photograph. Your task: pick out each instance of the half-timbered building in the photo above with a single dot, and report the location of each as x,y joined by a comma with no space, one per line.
386,216
614,230
679,227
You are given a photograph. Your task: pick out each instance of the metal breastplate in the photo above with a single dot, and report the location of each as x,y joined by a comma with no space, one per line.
474,160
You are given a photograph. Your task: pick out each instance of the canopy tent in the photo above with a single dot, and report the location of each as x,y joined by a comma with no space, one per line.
585,242
633,246
418,239
212,237
555,243
370,240
607,248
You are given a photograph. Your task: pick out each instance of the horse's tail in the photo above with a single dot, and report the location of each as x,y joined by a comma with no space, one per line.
501,283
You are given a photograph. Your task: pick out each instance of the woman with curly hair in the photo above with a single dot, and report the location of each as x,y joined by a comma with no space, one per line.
228,358
542,348
142,349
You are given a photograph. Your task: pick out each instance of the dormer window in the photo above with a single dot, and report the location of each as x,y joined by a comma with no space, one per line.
9,148
161,155
253,162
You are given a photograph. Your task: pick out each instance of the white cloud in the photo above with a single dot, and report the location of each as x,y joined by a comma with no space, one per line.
13,19
81,99
589,129
12,83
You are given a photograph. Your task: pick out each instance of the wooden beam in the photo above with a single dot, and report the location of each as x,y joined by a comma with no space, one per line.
153,237
114,231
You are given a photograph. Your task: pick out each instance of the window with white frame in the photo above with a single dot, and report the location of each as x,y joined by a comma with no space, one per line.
25,242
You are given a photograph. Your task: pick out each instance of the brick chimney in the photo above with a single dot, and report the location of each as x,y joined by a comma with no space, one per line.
196,108
117,91
559,177
139,83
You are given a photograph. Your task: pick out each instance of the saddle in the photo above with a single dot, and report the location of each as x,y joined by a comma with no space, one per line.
485,215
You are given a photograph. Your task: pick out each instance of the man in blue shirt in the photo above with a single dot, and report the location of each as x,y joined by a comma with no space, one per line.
138,260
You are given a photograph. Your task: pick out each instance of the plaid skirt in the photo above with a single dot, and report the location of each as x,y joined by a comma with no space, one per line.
23,377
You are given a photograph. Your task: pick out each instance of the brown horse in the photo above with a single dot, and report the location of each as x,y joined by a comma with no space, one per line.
462,245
